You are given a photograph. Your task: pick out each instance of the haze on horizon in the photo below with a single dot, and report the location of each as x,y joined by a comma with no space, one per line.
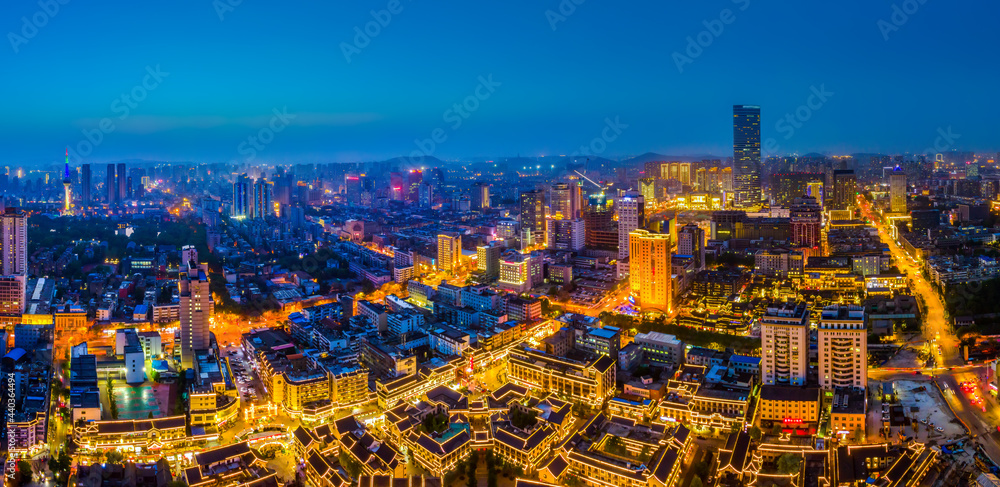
195,80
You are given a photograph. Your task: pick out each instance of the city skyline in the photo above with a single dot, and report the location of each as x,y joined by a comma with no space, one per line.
327,103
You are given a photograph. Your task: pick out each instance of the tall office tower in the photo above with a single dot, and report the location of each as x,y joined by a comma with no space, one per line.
67,187
650,271
691,241
746,156
481,196
352,185
426,195
784,336
111,185
566,235
262,205
488,260
575,201
599,224
242,196
533,214
449,251
396,186
122,180
647,187
196,308
413,180
842,343
85,185
845,189
806,217
897,190
631,216
559,201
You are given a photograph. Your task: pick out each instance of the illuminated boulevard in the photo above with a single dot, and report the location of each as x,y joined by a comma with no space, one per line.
949,369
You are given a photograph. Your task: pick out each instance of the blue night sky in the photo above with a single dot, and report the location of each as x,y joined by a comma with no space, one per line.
226,78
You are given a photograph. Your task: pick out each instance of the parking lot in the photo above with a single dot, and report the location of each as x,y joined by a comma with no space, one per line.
936,422
246,379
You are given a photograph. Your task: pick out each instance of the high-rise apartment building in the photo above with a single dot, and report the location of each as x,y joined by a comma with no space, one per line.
14,247
650,271
897,190
85,185
262,205
784,335
559,201
631,216
196,307
746,156
806,218
111,185
842,343
691,241
449,251
566,235
845,189
532,206
242,197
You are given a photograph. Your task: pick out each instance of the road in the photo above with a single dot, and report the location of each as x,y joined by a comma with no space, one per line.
951,369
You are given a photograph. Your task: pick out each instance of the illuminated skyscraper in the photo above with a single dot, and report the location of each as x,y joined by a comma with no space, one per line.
631,216
14,247
746,156
449,251
481,196
842,343
413,180
533,214
650,271
242,196
784,337
845,189
196,307
261,205
111,185
122,179
897,190
559,201
85,185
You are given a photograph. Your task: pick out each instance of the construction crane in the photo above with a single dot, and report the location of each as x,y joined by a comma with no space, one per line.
591,181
